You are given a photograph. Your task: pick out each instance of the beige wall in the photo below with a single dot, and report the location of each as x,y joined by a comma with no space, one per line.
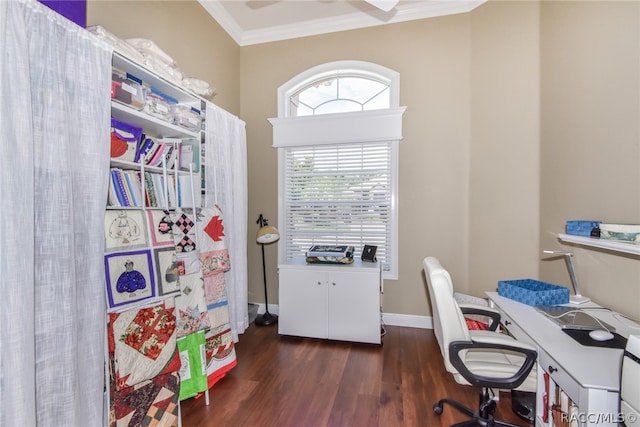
504,174
520,115
590,139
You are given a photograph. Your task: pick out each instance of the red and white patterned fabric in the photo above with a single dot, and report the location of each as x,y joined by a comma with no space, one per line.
143,344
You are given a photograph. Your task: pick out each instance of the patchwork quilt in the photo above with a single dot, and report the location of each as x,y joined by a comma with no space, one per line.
143,344
152,403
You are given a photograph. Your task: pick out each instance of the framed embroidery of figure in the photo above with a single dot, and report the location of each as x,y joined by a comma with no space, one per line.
130,277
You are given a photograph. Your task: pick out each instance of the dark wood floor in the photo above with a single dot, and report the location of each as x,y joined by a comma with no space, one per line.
300,382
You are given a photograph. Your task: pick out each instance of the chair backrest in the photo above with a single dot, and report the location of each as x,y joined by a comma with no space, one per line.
448,322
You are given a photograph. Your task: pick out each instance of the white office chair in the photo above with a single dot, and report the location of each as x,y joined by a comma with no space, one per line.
630,383
486,359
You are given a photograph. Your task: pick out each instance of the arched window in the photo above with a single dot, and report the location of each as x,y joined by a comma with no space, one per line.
340,93
341,86
337,134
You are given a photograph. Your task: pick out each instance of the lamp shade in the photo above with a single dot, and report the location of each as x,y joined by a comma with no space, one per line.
267,234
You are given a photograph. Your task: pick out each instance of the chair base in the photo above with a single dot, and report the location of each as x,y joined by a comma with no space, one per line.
483,417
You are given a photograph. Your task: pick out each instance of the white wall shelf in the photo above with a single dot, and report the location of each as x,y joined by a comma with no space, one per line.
158,127
611,245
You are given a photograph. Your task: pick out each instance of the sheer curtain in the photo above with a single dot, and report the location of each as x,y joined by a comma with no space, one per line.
54,146
226,181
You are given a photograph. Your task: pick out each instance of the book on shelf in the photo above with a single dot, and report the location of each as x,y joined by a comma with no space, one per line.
133,188
342,251
158,190
127,188
113,199
151,152
149,190
158,155
171,156
186,156
172,151
187,187
119,187
171,191
146,145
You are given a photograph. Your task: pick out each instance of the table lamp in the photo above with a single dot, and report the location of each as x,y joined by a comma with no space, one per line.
266,234
577,298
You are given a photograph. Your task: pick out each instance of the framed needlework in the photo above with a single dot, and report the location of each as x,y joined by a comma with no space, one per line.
125,230
160,228
130,277
167,270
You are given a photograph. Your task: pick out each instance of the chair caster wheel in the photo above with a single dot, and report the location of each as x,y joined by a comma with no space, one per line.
437,408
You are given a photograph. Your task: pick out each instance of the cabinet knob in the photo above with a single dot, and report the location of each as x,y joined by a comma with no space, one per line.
507,323
552,369
333,283
319,283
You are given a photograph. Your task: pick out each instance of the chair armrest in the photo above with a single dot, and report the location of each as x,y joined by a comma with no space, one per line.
499,338
514,381
483,310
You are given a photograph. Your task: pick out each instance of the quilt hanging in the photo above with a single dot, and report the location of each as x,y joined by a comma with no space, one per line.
142,343
214,256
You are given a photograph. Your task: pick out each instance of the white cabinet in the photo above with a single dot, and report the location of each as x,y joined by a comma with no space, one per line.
340,302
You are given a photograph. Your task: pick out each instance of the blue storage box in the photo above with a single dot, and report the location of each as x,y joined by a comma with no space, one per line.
581,228
533,292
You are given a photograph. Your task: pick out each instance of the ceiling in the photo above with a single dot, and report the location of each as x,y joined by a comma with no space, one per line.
251,22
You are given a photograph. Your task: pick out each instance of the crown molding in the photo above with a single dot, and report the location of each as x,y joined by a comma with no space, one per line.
403,12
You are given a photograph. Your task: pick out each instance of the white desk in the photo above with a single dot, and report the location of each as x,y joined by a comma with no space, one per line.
589,375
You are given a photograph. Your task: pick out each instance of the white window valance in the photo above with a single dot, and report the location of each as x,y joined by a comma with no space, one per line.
338,128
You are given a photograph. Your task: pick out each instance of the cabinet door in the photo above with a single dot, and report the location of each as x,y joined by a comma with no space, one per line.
354,306
302,303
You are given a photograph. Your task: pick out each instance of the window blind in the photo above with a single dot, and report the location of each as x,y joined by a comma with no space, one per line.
338,195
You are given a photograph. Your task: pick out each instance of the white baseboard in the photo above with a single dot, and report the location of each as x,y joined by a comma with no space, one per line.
407,320
390,319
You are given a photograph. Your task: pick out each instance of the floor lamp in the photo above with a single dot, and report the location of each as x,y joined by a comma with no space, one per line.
266,234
